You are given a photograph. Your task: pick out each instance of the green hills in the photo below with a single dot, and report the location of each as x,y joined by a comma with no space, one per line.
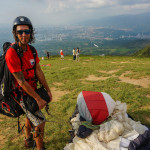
145,52
124,78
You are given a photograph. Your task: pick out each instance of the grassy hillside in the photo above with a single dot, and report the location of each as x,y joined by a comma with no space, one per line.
145,52
126,79
116,47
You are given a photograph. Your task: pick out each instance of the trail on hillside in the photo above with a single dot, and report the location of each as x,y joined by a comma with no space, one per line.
144,82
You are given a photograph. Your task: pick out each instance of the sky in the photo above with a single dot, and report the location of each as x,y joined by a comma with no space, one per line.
68,12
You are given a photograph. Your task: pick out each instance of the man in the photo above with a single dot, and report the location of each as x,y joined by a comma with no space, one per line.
24,78
62,54
74,54
77,54
47,55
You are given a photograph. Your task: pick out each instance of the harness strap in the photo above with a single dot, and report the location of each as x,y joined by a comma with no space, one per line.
20,54
20,129
37,132
28,69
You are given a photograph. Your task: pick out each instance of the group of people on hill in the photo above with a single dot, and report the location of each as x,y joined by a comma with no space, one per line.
76,54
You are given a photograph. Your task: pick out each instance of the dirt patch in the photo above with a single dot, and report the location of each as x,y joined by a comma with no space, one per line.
94,78
83,82
57,94
58,83
64,68
144,82
16,138
4,117
2,140
122,62
145,107
84,63
148,96
89,59
148,119
109,72
125,62
114,62
1,118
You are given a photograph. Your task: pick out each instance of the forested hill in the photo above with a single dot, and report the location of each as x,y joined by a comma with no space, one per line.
145,52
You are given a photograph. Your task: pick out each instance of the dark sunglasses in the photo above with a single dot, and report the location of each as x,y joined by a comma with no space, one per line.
20,32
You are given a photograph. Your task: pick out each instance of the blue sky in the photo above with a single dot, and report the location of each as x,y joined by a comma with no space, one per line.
66,12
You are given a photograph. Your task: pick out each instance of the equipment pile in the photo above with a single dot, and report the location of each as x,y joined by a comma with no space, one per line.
117,132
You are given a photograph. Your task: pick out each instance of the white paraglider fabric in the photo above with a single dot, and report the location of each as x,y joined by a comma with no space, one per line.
114,134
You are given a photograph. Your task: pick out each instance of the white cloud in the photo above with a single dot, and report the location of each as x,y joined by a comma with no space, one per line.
102,5
56,6
136,7
59,5
130,9
62,11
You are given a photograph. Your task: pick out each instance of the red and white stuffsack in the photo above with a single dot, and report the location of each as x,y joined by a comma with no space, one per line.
118,132
95,107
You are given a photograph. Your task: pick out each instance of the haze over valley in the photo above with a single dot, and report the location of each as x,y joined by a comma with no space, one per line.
110,36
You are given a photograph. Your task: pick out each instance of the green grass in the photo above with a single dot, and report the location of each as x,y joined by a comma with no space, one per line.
72,76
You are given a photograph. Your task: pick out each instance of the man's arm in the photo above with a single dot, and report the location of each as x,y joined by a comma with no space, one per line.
28,89
42,80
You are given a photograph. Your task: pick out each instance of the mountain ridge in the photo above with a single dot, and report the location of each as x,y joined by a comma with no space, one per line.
145,52
139,22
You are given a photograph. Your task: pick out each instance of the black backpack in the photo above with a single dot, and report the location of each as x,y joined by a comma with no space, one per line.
9,102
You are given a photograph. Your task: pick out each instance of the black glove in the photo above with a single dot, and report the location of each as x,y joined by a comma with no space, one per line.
31,104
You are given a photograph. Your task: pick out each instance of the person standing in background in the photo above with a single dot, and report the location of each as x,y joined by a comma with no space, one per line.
77,54
62,54
47,55
74,54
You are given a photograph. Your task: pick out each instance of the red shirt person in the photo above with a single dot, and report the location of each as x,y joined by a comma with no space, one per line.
62,54
14,65
23,35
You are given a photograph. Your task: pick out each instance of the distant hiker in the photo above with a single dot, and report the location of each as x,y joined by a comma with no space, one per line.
77,54
62,54
47,55
25,77
74,54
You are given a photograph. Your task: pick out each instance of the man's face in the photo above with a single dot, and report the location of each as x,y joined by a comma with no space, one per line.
23,34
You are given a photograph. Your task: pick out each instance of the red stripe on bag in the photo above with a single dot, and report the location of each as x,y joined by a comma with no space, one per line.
96,105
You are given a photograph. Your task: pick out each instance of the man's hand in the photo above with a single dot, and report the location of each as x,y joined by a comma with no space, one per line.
41,103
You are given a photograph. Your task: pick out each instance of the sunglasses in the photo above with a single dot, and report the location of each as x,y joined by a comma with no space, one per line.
20,32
